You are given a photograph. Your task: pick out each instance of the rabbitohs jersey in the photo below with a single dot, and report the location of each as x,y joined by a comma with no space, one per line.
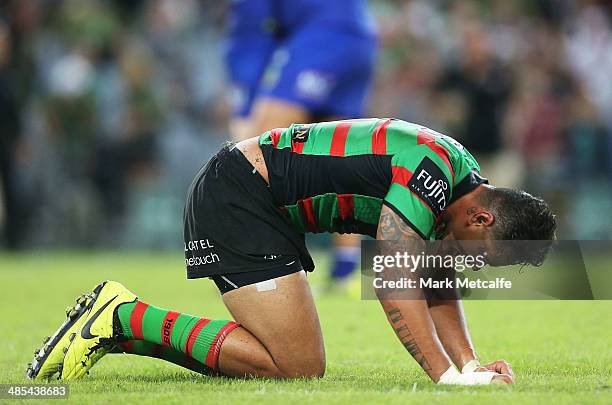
335,176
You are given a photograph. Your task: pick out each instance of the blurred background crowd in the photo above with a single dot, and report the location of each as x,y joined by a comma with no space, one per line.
108,108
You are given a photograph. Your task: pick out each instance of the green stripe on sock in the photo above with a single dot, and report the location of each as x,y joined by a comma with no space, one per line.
152,326
152,323
205,339
180,333
124,312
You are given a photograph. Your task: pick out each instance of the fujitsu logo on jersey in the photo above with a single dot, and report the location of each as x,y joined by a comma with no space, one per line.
435,188
431,185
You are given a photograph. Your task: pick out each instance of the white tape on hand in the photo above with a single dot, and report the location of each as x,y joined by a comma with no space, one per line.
470,366
449,376
454,377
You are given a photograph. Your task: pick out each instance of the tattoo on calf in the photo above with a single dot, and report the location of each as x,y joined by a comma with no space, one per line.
405,336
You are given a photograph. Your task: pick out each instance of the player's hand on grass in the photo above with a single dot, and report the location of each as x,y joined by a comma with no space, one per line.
502,368
499,367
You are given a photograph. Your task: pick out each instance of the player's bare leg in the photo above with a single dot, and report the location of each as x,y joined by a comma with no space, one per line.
280,334
279,337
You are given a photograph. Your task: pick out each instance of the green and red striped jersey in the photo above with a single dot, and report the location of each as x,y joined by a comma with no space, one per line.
335,176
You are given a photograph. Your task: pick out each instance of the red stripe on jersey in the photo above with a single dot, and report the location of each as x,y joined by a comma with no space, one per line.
195,331
424,138
297,147
339,139
167,327
308,214
275,135
401,175
379,138
136,319
346,206
212,357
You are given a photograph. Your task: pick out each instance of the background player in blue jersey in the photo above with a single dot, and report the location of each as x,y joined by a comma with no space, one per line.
300,61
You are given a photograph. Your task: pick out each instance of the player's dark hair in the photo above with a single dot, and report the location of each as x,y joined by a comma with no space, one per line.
521,217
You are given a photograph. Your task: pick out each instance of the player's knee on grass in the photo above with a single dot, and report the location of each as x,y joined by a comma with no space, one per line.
309,366
241,348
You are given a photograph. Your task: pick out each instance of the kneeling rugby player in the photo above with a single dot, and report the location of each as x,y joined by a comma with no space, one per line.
245,218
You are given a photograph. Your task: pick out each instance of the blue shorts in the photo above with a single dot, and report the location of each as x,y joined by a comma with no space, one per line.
328,71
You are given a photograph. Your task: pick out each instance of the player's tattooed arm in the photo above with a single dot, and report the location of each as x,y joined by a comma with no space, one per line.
400,327
392,228
409,315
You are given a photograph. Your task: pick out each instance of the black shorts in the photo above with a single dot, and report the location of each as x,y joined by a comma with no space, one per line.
233,225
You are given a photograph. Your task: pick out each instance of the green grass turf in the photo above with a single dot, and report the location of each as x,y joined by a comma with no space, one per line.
561,351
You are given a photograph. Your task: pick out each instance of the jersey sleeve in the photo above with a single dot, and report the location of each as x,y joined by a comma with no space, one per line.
421,187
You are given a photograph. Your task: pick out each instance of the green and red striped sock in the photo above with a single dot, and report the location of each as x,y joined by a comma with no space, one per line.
198,338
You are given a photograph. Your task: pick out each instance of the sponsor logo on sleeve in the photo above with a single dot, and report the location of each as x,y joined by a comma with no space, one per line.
300,133
430,184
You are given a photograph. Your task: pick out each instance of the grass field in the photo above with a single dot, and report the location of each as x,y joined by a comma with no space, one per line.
561,351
